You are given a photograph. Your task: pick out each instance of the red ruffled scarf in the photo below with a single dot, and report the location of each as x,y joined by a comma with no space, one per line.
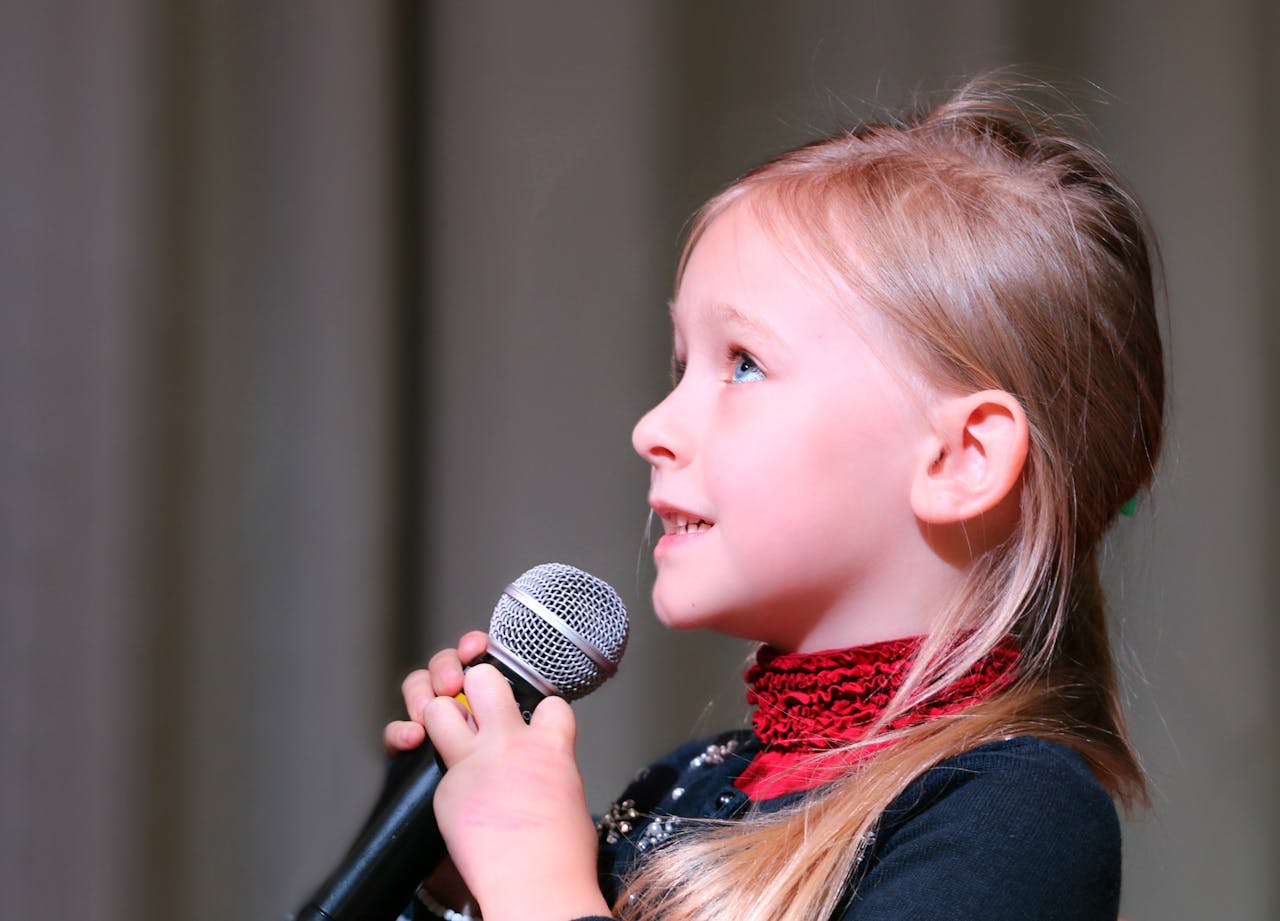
813,702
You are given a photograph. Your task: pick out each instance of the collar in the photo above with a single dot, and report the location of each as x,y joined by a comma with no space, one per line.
807,703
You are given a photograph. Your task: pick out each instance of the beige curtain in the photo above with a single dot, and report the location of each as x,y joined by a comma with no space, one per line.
196,413
321,321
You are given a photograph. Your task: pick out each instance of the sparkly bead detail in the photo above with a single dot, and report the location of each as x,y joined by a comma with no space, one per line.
867,842
619,820
714,754
657,831
441,911
676,793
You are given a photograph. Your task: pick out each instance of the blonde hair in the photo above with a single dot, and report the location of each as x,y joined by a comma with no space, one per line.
1001,253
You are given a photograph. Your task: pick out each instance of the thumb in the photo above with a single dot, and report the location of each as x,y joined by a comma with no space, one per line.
554,719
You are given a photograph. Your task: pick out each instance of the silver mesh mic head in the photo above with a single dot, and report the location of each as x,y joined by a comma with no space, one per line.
563,628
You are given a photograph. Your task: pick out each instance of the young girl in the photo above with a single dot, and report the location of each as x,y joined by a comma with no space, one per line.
917,374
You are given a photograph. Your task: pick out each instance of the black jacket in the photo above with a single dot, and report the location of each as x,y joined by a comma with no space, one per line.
1017,829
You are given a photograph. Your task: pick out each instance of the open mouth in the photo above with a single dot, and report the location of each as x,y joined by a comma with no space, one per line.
684,524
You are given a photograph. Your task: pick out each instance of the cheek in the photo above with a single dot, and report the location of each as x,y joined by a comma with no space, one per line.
776,500
818,477
806,453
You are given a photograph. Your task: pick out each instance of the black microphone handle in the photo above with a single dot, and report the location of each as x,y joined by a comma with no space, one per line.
400,843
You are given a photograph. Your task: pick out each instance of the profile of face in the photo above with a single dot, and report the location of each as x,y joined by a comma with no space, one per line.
782,460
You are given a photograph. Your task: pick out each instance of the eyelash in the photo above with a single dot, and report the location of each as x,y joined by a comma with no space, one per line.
733,357
737,357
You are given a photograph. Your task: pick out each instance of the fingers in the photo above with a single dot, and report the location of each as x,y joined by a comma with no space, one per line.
445,667
416,691
445,672
491,709
472,646
449,729
402,735
443,675
554,719
491,700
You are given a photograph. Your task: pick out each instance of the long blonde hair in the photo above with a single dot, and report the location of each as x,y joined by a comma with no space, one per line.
1002,253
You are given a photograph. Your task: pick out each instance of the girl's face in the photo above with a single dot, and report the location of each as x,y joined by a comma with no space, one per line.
783,458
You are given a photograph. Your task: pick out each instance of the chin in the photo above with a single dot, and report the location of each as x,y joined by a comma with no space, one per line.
680,614
697,614
673,621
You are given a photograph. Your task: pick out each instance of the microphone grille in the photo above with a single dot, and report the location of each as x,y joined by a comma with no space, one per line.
574,661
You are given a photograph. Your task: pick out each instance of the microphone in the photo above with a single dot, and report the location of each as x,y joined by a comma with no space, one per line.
555,631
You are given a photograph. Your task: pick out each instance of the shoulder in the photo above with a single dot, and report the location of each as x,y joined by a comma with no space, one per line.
1018,828
1019,774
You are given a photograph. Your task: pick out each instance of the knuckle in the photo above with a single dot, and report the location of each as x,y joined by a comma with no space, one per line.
438,708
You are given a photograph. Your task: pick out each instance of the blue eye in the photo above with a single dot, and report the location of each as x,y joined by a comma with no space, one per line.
745,369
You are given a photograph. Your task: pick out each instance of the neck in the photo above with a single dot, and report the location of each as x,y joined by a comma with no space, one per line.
904,596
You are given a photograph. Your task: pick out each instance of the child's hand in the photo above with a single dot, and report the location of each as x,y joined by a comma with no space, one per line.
441,678
511,805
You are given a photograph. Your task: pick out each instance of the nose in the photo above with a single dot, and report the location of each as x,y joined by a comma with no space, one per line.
655,437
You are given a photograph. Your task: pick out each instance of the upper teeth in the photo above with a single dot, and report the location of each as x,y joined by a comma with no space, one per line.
683,525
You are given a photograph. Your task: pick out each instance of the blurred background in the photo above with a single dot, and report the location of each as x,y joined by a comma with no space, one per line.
321,321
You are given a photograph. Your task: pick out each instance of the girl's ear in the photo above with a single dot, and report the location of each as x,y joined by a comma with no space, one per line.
974,460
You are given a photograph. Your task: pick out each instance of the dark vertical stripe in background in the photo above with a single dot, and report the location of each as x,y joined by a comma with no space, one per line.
409,457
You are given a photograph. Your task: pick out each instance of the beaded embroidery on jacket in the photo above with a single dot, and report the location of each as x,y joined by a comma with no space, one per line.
623,818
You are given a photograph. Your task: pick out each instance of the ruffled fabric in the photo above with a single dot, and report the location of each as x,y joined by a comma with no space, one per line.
807,703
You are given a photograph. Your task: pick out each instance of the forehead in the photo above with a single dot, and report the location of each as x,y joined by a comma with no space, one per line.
750,272
720,314
736,253
752,275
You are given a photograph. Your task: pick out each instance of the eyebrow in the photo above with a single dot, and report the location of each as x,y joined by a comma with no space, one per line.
732,316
